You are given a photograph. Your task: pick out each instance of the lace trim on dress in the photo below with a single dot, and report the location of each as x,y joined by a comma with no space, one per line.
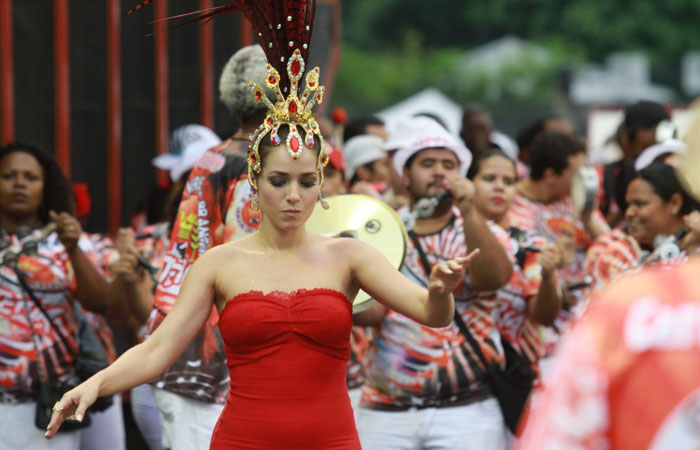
284,295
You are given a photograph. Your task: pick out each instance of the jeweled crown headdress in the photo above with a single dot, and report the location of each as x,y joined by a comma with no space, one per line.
283,29
293,111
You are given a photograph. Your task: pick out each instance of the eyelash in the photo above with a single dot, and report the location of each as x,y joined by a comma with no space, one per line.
280,183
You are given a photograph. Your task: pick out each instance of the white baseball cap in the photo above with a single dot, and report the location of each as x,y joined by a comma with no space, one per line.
187,144
361,150
432,135
651,153
401,133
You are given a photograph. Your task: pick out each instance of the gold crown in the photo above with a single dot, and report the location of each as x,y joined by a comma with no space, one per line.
293,111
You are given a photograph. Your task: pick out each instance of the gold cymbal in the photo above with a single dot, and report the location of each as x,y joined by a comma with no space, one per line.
688,169
367,219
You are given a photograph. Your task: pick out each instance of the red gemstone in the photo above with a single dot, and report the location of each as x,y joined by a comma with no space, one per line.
252,158
292,107
296,67
272,80
294,143
258,95
270,121
312,83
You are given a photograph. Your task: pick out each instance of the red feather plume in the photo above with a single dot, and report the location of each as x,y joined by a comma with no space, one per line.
276,23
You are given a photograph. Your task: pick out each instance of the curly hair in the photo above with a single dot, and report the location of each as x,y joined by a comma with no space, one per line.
58,194
247,64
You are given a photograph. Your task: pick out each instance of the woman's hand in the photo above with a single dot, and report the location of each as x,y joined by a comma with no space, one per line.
126,266
73,405
68,229
445,276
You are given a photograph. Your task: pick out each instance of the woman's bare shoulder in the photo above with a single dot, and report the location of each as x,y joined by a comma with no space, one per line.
228,253
344,246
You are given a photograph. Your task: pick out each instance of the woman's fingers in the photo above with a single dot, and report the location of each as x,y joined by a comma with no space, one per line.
445,269
455,266
465,260
62,410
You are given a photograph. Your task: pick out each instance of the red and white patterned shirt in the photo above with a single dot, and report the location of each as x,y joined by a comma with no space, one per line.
50,276
413,365
514,298
553,221
628,375
215,208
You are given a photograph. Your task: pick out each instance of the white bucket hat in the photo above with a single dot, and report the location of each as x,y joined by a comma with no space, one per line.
187,144
361,150
432,135
651,153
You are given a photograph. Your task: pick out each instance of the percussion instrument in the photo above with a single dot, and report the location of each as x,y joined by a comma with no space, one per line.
27,245
688,169
584,189
367,219
424,208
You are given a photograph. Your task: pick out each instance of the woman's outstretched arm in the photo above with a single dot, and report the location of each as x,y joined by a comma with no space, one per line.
433,307
149,359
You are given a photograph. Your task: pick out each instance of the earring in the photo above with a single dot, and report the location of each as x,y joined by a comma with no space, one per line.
254,203
324,203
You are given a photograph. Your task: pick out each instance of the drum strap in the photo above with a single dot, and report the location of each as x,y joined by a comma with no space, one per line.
419,248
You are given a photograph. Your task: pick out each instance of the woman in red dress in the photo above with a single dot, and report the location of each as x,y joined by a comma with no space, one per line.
283,293
285,316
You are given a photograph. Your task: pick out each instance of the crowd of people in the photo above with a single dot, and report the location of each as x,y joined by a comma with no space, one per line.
243,332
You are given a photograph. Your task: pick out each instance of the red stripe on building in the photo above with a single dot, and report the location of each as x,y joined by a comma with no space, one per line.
114,116
161,81
206,65
7,80
62,120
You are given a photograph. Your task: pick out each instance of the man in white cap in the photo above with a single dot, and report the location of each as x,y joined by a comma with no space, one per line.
367,165
425,387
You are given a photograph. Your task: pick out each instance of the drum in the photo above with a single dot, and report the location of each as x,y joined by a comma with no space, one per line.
584,189
365,218
688,168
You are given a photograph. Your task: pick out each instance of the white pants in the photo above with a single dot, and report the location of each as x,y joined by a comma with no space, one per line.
187,424
106,430
18,432
355,397
477,426
147,416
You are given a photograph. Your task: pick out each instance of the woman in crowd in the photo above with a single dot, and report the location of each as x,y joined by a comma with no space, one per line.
34,193
531,297
282,294
658,209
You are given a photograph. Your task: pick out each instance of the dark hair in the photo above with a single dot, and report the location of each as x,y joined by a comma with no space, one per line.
283,132
473,109
58,194
665,184
369,166
551,150
358,126
643,114
527,135
481,157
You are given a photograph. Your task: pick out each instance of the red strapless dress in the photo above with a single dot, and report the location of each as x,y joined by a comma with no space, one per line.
287,354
